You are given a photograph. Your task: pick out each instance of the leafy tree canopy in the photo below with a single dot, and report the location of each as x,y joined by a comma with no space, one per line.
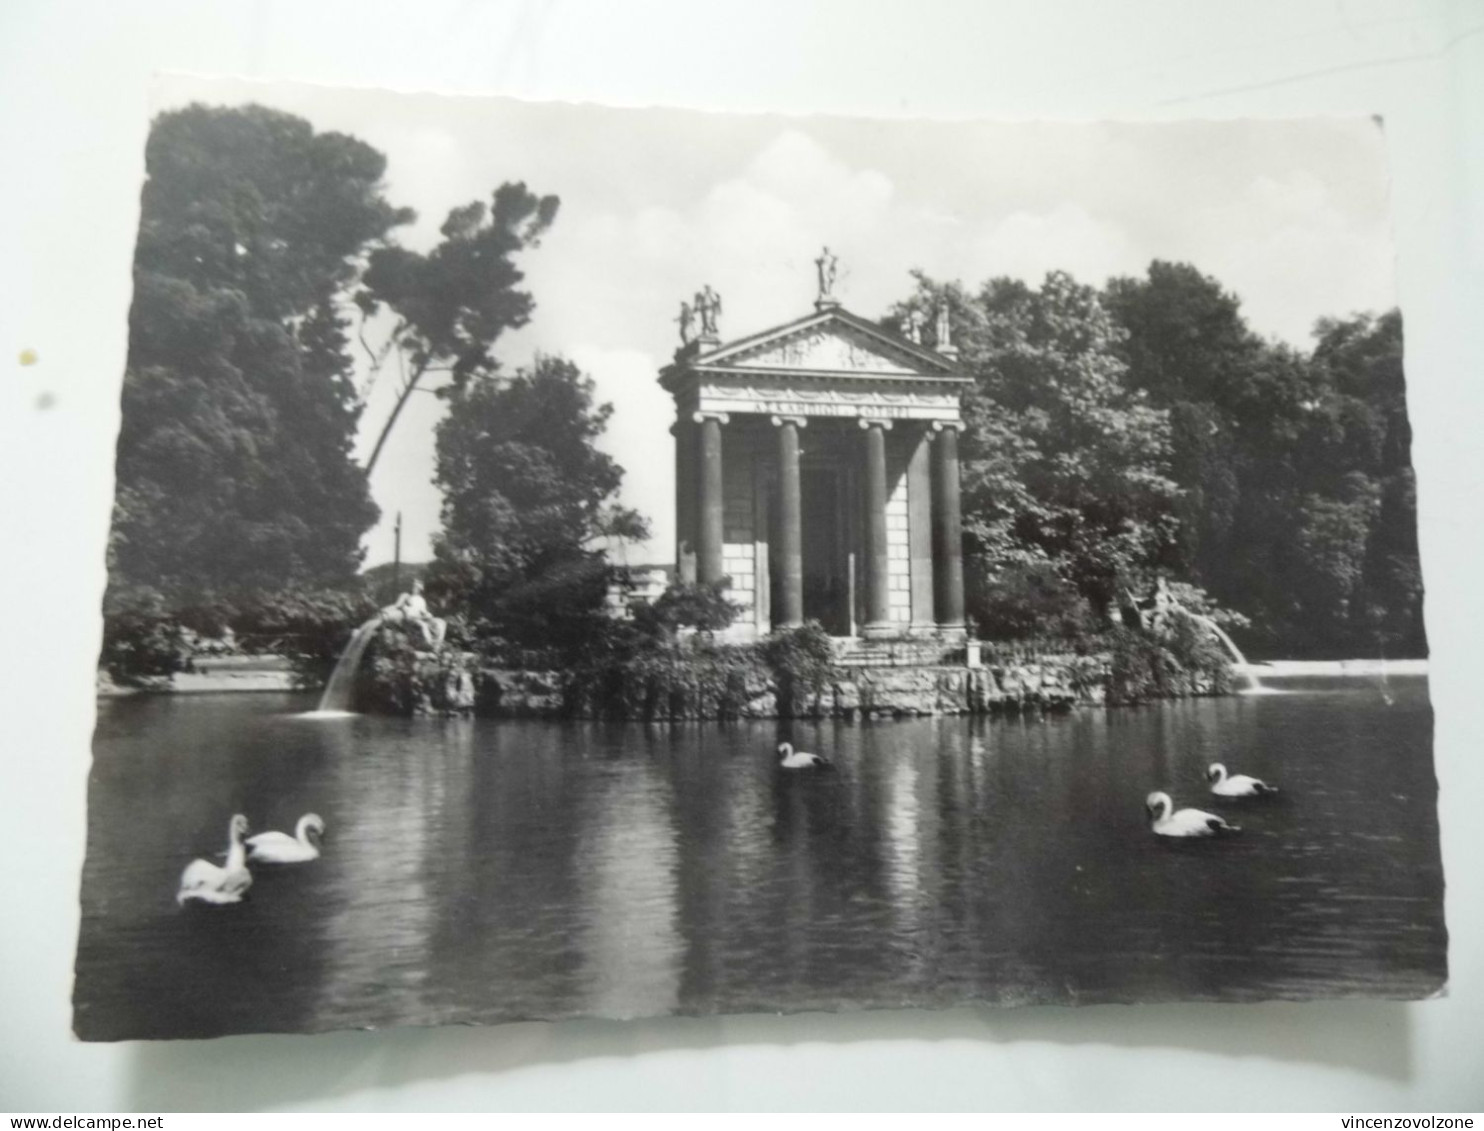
451,304
239,408
1297,501
528,501
1065,464
1147,429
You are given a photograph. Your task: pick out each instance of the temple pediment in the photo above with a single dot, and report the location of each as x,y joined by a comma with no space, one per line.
832,342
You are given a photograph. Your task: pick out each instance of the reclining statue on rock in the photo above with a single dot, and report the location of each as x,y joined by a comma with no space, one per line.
1150,613
411,610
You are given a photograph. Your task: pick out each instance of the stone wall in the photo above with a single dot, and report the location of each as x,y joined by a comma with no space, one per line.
1049,684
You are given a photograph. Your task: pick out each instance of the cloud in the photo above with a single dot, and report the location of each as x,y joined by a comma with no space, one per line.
637,437
1027,245
1292,254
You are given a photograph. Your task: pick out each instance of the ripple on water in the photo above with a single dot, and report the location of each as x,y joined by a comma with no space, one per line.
484,871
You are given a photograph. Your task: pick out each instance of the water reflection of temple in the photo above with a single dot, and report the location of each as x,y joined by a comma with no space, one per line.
817,472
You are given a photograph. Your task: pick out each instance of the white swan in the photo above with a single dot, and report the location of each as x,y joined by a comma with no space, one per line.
798,760
1238,785
280,848
1182,822
212,883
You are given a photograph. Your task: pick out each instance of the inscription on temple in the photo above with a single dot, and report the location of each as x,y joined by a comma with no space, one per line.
816,408
882,404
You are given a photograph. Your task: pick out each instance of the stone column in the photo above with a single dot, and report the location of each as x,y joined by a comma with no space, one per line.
710,530
878,584
788,537
948,550
920,532
684,431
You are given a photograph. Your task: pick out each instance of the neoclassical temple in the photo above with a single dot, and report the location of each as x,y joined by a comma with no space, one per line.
817,471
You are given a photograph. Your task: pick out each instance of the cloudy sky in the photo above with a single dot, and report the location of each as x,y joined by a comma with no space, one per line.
1291,216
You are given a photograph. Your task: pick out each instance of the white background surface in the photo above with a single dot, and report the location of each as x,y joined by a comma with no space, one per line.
73,118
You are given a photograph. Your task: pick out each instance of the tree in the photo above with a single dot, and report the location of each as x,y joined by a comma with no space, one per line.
1361,360
451,304
239,405
528,501
1298,506
1187,346
1066,485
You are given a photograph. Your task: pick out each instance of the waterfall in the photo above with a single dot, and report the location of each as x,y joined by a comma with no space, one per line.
341,688
1253,683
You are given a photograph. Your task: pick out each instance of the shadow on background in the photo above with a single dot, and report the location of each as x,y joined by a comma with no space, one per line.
242,1073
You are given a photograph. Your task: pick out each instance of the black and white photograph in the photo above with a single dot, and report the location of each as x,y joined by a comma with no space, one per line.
572,561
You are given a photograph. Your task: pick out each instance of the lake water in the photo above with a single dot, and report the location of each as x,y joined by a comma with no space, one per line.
481,870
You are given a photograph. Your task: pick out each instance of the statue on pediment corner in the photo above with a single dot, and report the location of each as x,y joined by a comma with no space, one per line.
707,307
912,323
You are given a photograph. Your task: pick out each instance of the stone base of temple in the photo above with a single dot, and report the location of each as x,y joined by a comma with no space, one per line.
856,690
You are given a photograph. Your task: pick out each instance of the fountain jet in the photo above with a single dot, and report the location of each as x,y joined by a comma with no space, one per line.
339,693
1254,685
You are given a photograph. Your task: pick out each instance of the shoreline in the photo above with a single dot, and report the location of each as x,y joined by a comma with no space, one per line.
237,674
1366,667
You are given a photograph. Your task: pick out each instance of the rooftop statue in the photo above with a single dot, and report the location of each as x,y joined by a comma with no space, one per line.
828,266
912,324
942,331
707,307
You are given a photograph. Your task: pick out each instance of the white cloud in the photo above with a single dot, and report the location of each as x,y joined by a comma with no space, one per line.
1293,255
637,437
1027,245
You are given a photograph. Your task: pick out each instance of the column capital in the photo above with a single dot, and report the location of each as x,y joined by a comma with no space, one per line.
874,422
945,425
719,417
796,421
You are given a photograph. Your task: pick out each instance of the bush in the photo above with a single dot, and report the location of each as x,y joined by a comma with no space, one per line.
644,675
142,639
660,677
1028,600
702,607
802,661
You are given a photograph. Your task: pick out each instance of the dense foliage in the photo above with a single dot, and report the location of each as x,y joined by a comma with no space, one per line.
239,409
1298,503
1146,430
451,304
1065,464
705,608
238,492
652,675
528,505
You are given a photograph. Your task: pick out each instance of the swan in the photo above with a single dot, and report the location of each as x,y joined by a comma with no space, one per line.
212,883
280,848
798,760
1182,822
1238,785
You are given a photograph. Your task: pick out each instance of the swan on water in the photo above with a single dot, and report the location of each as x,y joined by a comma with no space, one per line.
225,883
280,848
1237,785
1182,822
798,760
